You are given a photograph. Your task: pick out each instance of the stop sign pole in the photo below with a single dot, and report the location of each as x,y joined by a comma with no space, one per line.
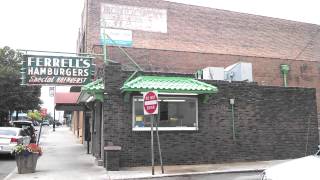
150,107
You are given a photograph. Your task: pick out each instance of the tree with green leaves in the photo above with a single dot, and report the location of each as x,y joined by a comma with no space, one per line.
34,115
13,96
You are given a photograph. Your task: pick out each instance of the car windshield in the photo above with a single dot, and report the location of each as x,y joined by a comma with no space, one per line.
22,125
7,132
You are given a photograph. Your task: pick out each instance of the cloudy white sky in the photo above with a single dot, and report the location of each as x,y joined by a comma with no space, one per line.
53,25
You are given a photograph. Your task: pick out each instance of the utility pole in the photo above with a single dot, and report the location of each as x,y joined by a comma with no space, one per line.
54,110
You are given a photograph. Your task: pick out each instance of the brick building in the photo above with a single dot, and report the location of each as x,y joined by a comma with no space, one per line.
168,37
270,122
197,37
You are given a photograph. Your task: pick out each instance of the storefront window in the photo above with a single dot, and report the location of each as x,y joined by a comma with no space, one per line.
175,113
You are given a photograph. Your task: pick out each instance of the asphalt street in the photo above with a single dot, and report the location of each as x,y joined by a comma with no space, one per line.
7,165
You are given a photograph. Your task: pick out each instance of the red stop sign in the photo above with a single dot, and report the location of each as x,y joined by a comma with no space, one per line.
150,103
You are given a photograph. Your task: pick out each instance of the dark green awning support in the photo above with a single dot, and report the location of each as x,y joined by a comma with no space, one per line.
164,84
99,96
206,98
132,76
127,97
95,88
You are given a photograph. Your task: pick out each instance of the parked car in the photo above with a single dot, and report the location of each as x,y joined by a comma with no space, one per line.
28,127
58,123
297,169
36,123
10,137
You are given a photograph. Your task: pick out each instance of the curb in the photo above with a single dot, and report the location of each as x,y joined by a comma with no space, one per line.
192,174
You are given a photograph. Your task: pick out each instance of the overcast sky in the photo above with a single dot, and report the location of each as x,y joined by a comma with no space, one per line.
53,25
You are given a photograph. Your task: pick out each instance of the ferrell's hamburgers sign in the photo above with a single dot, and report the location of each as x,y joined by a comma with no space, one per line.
58,70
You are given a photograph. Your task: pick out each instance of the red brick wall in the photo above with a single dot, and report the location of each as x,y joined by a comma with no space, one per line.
198,37
266,71
208,30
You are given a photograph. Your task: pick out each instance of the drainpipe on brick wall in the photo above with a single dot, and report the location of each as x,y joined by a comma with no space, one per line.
284,68
232,116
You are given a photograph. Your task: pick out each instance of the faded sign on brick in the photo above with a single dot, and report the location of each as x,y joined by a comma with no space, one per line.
133,18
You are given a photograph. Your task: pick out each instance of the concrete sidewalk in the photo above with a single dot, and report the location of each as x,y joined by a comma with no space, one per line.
65,158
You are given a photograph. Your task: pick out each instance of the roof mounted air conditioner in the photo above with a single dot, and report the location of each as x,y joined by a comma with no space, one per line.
241,71
213,73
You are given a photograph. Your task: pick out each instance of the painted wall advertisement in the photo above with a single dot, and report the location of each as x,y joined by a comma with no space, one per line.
58,70
118,22
134,18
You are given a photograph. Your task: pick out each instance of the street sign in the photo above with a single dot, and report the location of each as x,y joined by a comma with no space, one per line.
150,103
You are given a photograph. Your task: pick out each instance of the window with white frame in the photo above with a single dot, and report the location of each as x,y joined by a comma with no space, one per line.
175,113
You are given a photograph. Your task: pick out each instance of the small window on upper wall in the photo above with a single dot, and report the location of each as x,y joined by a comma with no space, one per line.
174,113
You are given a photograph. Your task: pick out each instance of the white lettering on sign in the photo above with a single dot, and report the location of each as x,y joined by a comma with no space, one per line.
32,71
33,61
42,69
134,18
150,102
57,79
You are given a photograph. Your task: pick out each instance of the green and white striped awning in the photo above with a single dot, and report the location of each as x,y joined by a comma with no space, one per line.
92,91
166,84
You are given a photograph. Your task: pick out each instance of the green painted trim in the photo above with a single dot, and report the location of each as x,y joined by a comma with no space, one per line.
129,79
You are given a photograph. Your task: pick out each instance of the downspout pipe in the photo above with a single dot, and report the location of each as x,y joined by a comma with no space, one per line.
284,68
232,116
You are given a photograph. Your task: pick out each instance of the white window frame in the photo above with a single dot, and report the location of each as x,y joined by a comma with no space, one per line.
182,128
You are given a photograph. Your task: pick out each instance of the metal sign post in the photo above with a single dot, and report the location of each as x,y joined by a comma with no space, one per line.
158,139
152,150
38,141
150,107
